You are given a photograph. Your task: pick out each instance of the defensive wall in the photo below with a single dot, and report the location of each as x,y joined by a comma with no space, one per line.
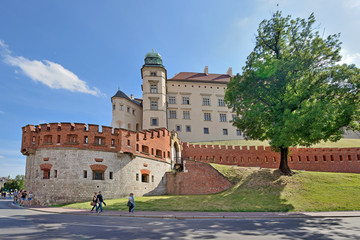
309,159
198,178
69,162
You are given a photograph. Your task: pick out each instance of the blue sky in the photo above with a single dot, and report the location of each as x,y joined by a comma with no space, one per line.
62,60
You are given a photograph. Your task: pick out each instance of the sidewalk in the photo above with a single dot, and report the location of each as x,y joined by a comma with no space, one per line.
201,215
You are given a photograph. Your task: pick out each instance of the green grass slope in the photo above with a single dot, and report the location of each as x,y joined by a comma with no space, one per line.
259,190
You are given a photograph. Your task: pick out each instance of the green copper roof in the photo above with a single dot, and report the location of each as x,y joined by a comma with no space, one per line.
153,59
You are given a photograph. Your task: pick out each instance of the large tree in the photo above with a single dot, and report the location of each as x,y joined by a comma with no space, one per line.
292,90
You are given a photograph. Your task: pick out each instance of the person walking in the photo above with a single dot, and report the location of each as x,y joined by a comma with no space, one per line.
23,198
29,198
131,203
94,202
99,200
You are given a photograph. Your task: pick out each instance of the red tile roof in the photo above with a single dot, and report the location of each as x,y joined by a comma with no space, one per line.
201,77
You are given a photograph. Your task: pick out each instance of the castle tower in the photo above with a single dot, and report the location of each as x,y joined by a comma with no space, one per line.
154,77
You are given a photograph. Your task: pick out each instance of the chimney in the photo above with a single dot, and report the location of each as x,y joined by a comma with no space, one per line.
206,70
132,97
229,71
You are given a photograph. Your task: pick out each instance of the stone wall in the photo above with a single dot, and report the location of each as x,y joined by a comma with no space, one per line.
198,178
310,159
68,183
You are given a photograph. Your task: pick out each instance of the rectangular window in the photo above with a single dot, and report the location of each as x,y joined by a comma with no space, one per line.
98,175
186,100
152,178
225,131
154,105
46,174
152,73
233,117
55,173
178,128
121,107
172,114
153,88
137,177
207,116
186,114
110,175
85,174
128,109
188,128
221,102
133,111
238,132
222,117
154,122
144,178
113,106
206,101
172,100
206,130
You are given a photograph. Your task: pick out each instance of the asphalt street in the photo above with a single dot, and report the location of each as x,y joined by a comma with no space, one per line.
19,223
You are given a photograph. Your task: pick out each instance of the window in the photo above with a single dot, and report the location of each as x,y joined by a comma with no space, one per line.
172,114
222,117
133,111
144,178
233,117
128,109
113,106
178,128
152,73
186,114
206,101
55,173
188,128
207,116
153,88
172,100
238,132
137,177
221,102
152,178
110,175
46,174
186,100
206,130
121,107
225,131
154,105
154,122
85,174
98,175
86,139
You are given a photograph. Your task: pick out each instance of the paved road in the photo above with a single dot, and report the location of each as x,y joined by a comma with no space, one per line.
28,224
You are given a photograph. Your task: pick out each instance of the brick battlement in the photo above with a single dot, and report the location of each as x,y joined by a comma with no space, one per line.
152,143
311,159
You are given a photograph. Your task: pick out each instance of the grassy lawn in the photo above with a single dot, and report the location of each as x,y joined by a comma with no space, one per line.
342,143
259,190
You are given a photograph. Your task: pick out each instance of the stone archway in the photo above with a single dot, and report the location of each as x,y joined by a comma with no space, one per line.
176,147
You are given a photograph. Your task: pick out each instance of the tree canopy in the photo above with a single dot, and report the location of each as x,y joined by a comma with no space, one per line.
293,91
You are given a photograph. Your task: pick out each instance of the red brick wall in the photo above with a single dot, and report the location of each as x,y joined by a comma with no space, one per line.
310,159
117,140
200,178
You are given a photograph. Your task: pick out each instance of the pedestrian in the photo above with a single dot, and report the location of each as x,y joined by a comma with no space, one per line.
30,197
94,202
100,201
23,197
131,203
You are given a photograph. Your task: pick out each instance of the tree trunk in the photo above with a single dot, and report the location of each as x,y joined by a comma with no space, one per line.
284,167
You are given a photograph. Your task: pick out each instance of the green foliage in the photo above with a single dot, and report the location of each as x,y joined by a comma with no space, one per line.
292,92
17,183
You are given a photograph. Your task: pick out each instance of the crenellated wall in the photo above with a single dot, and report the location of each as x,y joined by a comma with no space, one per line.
310,159
153,143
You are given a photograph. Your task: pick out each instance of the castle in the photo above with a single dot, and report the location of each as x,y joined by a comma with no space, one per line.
67,162
190,103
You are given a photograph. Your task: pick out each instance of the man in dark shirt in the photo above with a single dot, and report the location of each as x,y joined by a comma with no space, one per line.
99,200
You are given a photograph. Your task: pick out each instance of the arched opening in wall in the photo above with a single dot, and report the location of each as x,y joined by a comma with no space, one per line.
46,167
177,158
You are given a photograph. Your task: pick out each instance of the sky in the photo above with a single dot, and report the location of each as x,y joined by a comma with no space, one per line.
63,60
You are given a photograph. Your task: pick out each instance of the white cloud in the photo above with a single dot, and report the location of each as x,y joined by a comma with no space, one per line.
1,157
49,73
350,58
